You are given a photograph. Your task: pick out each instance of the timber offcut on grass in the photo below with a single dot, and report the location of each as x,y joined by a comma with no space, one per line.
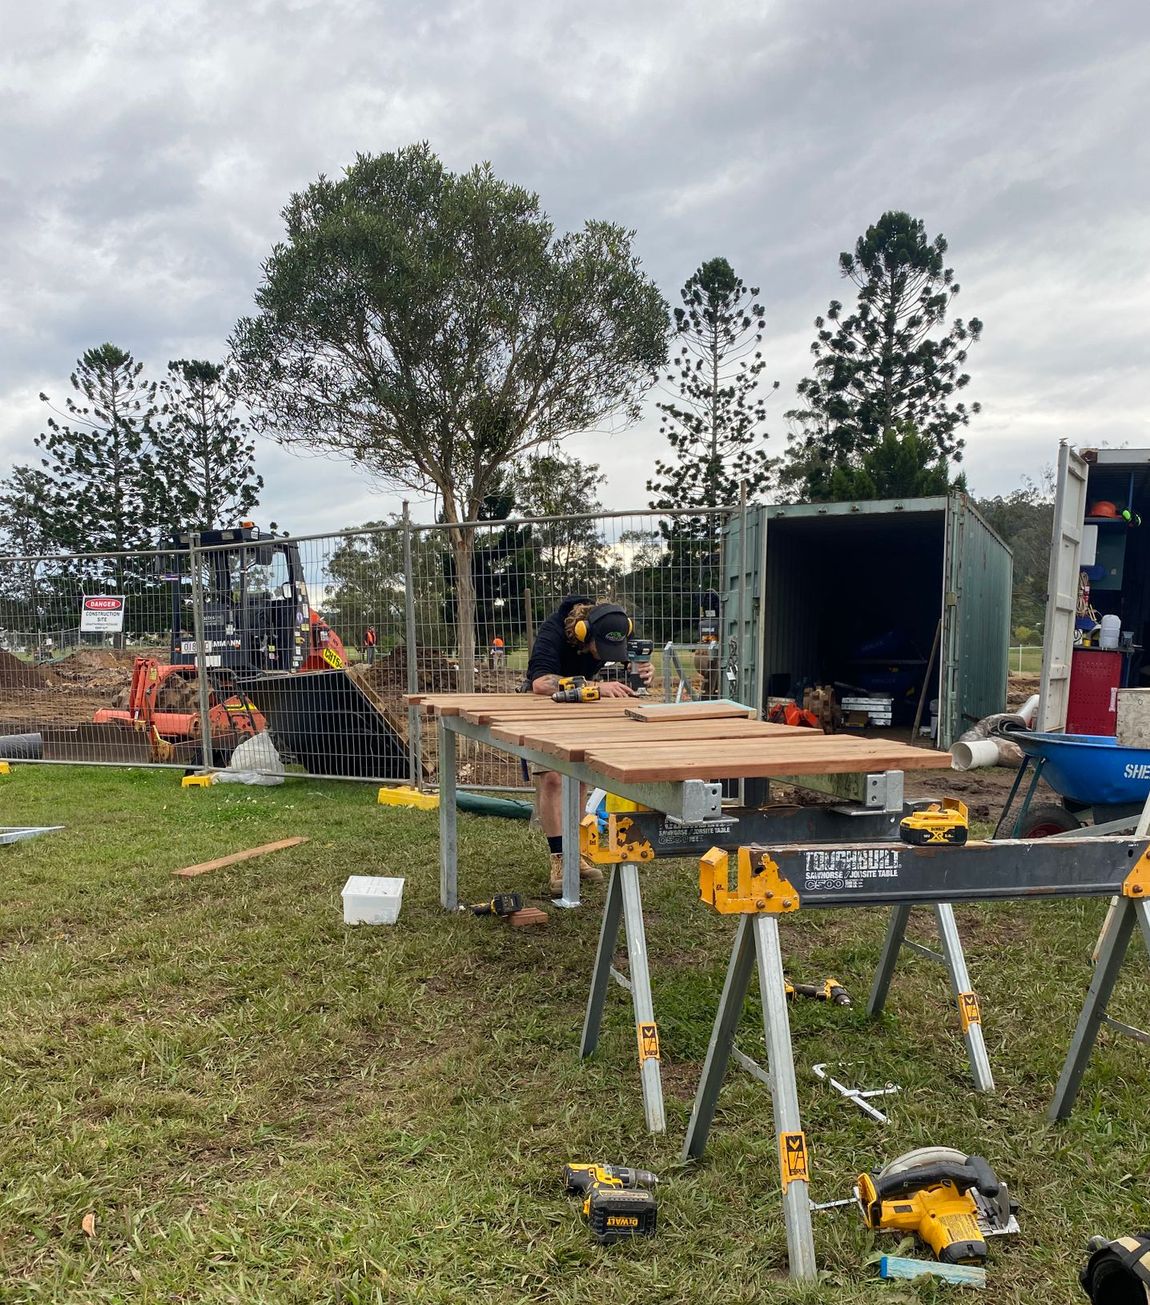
190,871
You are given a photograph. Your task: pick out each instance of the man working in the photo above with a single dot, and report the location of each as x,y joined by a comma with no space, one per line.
577,639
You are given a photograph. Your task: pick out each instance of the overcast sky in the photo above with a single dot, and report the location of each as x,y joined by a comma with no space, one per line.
148,151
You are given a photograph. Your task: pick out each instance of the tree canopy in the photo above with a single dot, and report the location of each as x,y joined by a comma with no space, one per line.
890,362
209,459
715,426
431,326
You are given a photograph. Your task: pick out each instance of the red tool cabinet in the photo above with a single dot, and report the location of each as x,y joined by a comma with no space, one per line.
1095,676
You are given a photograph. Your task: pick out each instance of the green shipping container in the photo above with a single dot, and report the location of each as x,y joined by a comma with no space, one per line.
894,598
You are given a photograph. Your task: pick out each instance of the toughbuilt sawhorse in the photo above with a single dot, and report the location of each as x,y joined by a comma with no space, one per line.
780,880
623,841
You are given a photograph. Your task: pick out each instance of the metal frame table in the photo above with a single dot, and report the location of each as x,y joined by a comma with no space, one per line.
685,813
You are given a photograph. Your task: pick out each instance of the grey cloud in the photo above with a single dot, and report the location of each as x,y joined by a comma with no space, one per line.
149,152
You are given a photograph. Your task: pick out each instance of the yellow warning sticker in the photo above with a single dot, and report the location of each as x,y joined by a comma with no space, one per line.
648,1041
968,1010
333,659
793,1159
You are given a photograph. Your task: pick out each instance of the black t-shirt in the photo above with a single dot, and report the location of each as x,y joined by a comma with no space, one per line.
551,654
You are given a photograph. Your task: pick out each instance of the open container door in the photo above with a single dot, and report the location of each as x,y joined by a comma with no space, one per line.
975,622
1062,588
744,553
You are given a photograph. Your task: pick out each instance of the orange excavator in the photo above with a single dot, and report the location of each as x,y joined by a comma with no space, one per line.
271,662
162,702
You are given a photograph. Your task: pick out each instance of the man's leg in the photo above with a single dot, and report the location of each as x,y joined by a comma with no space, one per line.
549,808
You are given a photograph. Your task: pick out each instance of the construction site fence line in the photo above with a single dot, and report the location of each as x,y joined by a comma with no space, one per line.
390,609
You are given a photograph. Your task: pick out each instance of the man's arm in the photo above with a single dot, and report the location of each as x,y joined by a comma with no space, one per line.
545,685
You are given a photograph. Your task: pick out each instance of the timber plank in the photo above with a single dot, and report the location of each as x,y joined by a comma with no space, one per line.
190,871
604,708
573,744
736,759
689,710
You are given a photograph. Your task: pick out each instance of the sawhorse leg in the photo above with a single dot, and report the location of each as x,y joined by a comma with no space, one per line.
955,961
448,830
624,903
1112,948
757,941
571,814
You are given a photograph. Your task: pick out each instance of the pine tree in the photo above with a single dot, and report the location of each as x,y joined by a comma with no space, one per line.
886,363
106,488
715,428
210,459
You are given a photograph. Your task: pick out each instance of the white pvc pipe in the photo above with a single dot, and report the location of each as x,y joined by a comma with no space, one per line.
1029,710
978,752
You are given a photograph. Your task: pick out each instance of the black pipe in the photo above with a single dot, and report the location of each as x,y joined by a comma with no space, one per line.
21,747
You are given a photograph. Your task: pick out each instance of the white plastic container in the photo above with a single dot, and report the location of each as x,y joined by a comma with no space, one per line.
371,899
1108,635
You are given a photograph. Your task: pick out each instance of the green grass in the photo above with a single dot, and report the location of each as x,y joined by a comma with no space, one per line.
259,1104
1025,659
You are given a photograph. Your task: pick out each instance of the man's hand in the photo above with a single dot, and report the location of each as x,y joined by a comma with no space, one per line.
646,672
615,689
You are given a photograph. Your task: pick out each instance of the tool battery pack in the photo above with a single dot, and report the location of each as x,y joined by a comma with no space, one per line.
616,1213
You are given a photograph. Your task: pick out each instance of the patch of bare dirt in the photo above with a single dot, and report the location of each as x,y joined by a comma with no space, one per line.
15,674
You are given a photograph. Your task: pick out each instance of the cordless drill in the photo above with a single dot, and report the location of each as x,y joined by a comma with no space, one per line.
575,688
638,650
829,990
502,904
617,1200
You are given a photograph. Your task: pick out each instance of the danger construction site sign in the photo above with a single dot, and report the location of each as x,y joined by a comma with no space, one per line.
102,614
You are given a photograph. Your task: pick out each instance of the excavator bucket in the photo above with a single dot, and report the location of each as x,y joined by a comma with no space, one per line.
327,722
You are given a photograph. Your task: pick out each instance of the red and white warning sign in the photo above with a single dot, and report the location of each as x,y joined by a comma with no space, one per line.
102,614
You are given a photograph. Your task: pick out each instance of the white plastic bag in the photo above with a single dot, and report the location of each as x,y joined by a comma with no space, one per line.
255,761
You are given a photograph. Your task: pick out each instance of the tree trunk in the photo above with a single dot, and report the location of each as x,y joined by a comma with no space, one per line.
463,549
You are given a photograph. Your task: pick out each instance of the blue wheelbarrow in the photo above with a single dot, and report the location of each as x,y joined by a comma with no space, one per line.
1097,780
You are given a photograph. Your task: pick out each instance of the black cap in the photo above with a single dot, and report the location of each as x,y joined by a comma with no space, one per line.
611,629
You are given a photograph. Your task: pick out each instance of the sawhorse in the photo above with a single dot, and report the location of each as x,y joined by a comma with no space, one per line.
624,907
766,889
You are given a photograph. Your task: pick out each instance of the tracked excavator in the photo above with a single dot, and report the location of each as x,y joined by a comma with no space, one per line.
272,663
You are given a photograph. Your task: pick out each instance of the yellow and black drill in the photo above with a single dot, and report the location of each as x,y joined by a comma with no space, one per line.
618,1201
575,688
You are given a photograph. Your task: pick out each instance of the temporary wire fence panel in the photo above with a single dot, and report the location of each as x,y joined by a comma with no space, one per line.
176,657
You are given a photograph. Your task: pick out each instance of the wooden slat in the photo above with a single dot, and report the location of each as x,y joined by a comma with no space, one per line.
735,759
573,744
605,708
190,871
689,711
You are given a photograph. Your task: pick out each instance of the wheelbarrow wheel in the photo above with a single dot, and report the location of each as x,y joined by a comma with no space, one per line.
1048,819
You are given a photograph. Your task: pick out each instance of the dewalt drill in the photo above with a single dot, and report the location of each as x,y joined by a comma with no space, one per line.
617,1200
575,688
829,990
638,651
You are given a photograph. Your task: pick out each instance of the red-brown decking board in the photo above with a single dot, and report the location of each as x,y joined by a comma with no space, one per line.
571,742
671,749
818,754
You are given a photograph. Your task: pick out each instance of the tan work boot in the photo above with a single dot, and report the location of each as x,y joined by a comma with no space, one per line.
587,872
